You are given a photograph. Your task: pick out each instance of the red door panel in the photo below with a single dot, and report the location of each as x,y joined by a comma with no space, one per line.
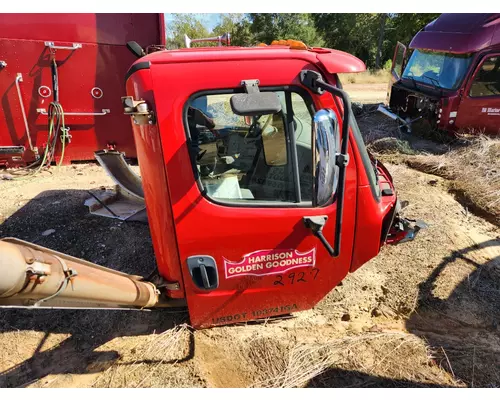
228,233
479,109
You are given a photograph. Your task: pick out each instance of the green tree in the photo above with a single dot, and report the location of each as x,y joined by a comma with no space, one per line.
242,34
227,23
370,37
402,28
381,33
354,33
406,25
185,24
275,26
237,26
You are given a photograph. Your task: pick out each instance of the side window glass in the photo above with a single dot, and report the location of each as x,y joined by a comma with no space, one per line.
303,128
248,158
487,79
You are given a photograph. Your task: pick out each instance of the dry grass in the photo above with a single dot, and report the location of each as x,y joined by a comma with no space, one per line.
382,135
387,359
474,172
150,363
381,359
369,76
470,162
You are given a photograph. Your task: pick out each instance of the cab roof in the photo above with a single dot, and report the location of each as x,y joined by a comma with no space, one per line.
459,33
333,61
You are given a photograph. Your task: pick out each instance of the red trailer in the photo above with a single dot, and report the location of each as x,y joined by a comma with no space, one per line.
91,60
451,81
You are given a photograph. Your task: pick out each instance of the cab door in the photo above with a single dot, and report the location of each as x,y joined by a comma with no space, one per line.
397,67
480,106
240,188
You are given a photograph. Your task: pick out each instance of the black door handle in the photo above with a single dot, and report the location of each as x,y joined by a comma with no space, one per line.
204,276
203,271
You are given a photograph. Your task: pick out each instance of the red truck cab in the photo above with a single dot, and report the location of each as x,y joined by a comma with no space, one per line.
451,81
248,178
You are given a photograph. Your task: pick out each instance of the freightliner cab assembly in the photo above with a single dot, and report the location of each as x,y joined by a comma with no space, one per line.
260,193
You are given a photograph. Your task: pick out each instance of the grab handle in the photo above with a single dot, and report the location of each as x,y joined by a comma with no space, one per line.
19,78
43,111
75,46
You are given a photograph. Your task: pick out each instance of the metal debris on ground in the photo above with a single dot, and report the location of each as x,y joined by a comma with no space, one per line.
116,204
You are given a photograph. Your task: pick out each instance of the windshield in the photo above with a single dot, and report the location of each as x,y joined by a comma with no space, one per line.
443,70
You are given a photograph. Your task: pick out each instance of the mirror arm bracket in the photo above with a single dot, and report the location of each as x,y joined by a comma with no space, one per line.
310,79
251,85
314,81
342,160
316,224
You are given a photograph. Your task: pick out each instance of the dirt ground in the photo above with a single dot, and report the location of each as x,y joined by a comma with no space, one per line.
367,92
423,313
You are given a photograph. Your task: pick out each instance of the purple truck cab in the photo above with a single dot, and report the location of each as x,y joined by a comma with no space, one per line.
451,81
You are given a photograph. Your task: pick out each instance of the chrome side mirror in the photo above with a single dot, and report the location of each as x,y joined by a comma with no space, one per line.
326,146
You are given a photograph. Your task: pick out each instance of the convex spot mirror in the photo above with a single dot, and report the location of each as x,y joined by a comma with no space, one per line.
326,139
274,140
255,104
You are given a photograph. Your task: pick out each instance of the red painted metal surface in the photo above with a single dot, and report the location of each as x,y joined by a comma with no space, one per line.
157,193
484,109
333,61
459,33
224,232
337,62
91,78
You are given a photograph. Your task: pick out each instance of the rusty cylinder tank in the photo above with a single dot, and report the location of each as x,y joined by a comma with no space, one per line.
31,275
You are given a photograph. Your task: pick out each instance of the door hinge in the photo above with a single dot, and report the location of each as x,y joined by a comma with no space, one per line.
138,110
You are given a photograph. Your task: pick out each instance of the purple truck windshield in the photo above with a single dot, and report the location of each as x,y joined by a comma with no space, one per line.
443,70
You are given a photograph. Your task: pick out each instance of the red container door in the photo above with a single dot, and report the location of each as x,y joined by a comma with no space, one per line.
479,109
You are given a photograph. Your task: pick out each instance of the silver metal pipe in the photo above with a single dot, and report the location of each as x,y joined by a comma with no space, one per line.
34,276
19,78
